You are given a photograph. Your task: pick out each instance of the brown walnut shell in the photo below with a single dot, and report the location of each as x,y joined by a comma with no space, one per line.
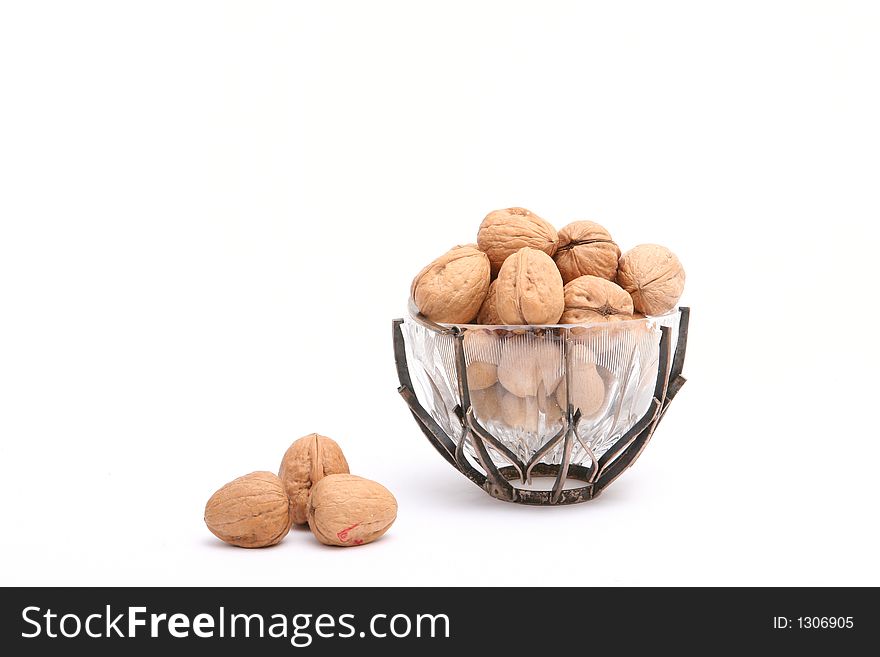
482,345
486,403
653,276
592,299
305,463
530,289
519,412
251,511
528,364
346,510
452,288
481,375
587,389
482,352
504,232
489,310
586,249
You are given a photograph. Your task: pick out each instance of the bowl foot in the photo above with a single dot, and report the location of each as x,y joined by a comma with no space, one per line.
540,491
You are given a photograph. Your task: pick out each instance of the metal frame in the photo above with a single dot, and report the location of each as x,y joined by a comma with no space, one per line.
496,480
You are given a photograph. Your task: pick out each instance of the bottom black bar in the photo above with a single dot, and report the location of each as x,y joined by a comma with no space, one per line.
400,620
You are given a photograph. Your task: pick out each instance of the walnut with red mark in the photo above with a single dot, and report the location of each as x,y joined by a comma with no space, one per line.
345,510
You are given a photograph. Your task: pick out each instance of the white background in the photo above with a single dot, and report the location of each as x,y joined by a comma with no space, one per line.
212,211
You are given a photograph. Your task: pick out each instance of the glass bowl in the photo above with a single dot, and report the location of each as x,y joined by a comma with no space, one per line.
547,414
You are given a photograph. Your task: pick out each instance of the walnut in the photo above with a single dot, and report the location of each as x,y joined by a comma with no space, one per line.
482,345
592,299
528,363
519,412
586,249
305,463
482,353
481,375
587,388
452,288
653,276
489,310
530,289
345,510
504,232
486,403
250,512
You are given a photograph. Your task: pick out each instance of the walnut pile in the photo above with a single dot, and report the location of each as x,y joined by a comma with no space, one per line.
313,486
522,272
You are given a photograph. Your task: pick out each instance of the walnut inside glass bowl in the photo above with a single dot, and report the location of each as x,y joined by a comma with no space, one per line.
612,367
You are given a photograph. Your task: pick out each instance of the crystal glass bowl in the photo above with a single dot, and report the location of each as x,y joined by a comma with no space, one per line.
546,414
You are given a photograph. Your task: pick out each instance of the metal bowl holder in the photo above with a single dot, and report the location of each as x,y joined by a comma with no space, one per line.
496,481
